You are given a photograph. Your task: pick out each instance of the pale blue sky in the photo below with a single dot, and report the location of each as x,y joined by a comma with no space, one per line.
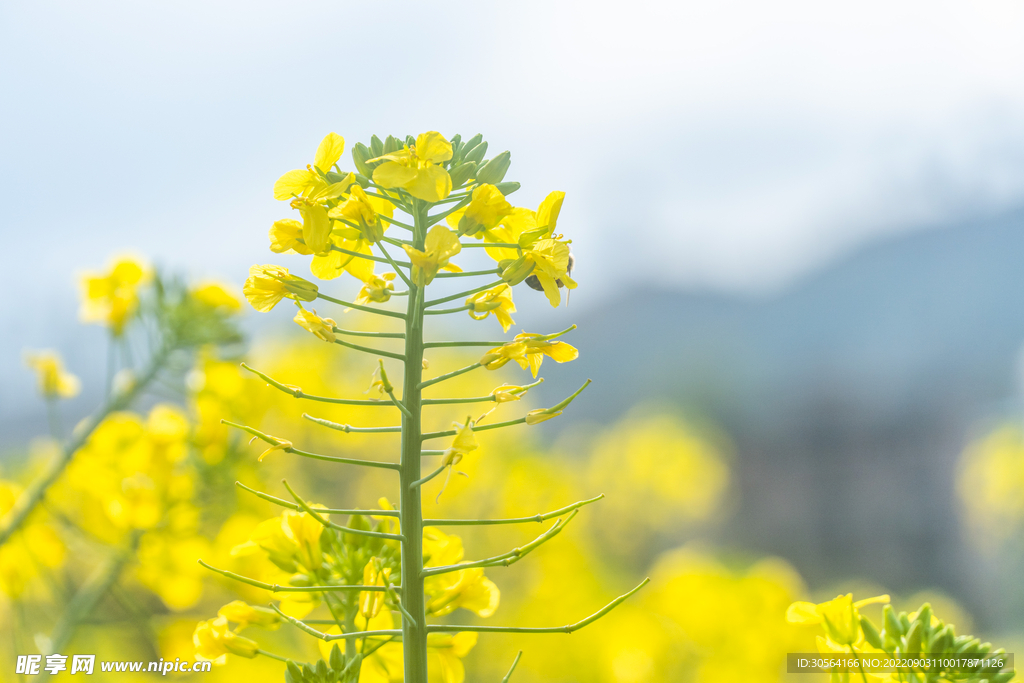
727,144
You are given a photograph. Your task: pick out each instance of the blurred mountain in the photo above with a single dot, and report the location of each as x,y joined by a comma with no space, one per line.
848,397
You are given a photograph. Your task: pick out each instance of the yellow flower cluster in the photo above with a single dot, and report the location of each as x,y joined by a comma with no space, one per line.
112,297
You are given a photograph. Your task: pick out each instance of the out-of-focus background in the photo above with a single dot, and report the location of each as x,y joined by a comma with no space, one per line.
799,230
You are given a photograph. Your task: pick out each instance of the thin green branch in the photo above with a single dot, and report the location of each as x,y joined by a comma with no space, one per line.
326,523
460,295
426,453
446,311
274,441
569,628
441,378
392,221
481,428
272,655
359,307
399,404
543,517
368,257
424,480
28,500
276,588
331,511
380,335
401,273
372,352
301,625
511,557
515,662
438,217
444,344
470,273
349,428
476,399
298,393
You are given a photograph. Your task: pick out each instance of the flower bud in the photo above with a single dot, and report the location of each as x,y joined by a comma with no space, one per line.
360,153
393,144
508,188
495,169
376,147
870,632
476,153
460,174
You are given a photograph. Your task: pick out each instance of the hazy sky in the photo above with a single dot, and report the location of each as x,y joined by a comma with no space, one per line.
729,144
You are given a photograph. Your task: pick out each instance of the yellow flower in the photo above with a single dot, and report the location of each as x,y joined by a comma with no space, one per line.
840,616
218,296
524,227
309,190
322,328
112,298
378,289
284,237
244,614
417,169
467,588
550,258
362,213
529,350
445,652
291,540
214,641
370,602
54,382
441,244
332,263
267,285
487,208
497,300
463,444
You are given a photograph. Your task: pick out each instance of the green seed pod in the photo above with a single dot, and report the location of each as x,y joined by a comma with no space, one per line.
477,153
494,171
462,173
912,641
376,147
360,154
870,632
337,660
507,188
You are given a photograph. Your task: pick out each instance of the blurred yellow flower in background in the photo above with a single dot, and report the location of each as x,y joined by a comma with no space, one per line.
54,381
991,484
111,298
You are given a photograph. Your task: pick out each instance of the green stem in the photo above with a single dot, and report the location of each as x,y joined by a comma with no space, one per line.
445,311
392,221
515,662
337,527
381,335
543,517
471,273
445,344
273,441
349,428
438,217
401,273
441,378
481,428
367,349
424,480
298,393
28,500
469,292
569,628
272,655
359,307
478,399
329,637
275,588
484,245
414,632
368,257
330,511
